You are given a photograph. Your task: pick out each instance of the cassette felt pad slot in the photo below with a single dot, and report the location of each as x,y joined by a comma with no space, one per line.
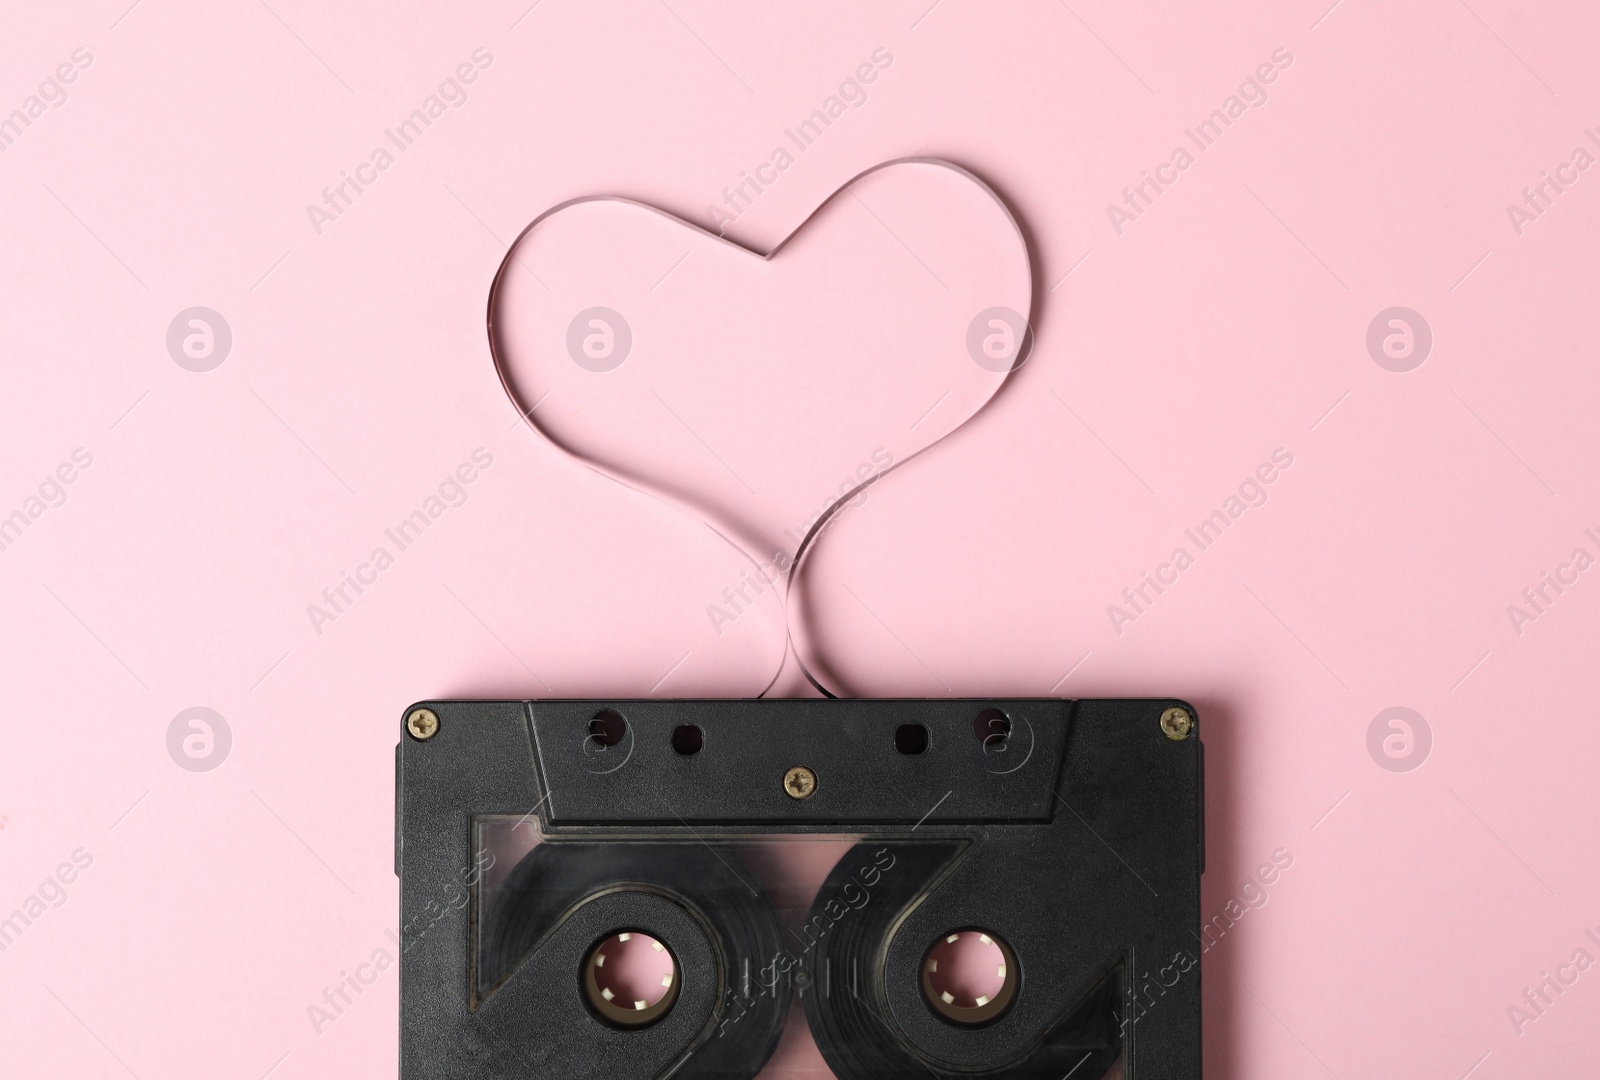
955,888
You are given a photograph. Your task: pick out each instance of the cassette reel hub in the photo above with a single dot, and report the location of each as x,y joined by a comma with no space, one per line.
970,977
630,979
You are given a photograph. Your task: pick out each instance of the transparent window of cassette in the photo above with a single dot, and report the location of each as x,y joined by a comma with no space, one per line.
764,955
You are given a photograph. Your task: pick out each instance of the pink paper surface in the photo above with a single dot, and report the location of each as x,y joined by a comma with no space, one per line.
1305,170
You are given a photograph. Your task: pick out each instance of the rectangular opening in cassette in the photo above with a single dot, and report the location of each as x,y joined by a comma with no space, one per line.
787,889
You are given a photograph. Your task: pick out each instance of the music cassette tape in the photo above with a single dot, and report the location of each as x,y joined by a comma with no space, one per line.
800,888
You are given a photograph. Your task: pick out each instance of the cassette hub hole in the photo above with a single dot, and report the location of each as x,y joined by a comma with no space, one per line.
969,976
687,739
630,979
607,729
911,738
992,728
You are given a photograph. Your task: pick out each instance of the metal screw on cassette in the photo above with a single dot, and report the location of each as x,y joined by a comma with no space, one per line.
423,724
800,782
1177,723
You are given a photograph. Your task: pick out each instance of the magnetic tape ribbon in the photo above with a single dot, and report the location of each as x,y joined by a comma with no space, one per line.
792,577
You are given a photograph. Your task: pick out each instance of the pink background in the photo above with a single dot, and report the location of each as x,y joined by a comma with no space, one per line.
1227,321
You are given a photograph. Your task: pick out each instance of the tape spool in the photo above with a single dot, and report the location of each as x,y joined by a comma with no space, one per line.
556,881
848,1006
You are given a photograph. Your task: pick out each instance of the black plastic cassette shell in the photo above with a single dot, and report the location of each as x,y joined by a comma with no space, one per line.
1096,836
862,779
